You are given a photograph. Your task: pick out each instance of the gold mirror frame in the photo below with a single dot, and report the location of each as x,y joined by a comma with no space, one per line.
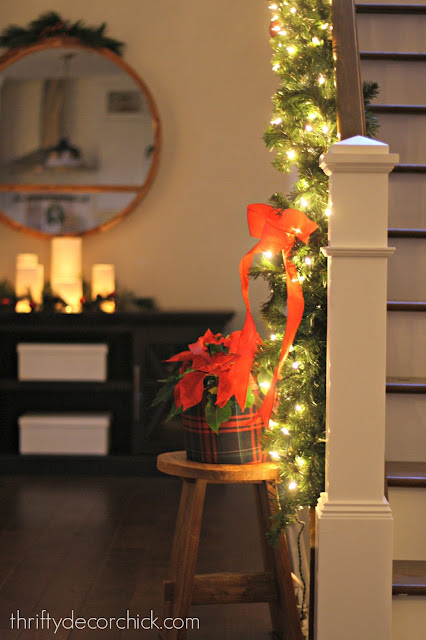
61,42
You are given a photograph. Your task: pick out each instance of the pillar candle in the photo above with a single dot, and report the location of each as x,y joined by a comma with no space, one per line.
103,280
71,291
65,259
30,278
26,260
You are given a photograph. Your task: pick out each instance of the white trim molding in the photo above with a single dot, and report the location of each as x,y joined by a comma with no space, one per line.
353,574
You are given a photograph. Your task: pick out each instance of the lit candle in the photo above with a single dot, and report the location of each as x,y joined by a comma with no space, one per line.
26,260
66,259
29,277
71,291
103,280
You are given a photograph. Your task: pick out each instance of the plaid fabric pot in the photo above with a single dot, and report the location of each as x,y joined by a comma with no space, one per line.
238,440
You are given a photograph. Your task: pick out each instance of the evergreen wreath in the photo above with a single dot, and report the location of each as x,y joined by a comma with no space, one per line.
52,25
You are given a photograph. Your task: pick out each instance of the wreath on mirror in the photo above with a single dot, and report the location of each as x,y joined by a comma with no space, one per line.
52,25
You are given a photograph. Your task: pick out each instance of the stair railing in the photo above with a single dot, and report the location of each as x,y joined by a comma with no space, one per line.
349,97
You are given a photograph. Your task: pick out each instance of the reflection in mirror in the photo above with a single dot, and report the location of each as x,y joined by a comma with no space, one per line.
79,138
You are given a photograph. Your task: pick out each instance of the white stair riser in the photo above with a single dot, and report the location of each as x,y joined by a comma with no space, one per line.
408,506
406,427
405,135
407,269
407,197
406,344
399,82
391,32
408,618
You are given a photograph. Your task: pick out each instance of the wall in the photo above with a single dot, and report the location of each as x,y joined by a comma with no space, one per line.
207,65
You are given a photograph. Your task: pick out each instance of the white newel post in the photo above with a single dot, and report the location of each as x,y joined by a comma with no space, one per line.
354,521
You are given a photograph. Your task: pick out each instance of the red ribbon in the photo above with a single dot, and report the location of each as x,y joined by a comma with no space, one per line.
277,231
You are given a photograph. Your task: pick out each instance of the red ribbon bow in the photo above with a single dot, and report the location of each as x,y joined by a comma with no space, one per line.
277,231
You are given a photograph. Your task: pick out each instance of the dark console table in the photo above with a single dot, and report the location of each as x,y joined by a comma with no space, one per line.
138,344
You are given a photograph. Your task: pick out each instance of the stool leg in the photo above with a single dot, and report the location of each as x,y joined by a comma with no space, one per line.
184,554
284,614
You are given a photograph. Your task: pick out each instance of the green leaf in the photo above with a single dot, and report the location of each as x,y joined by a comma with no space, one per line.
164,394
249,398
174,411
216,415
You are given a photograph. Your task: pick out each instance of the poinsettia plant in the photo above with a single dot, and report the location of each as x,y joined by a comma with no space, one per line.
202,376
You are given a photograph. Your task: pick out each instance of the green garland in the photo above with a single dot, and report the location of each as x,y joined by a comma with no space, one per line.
51,25
303,126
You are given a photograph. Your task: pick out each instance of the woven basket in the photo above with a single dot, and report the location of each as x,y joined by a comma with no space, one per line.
238,440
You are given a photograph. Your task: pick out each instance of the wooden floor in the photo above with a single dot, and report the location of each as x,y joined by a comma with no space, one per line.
100,546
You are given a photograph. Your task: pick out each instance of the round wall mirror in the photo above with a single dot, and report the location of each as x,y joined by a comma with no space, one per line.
79,138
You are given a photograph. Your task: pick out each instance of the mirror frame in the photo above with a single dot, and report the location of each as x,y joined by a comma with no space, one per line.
14,55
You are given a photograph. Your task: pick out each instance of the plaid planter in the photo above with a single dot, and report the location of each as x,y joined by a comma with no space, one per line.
238,440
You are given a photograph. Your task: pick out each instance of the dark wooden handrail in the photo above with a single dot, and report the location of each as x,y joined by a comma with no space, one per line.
350,102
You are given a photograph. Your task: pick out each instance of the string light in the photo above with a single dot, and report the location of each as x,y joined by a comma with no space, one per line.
285,431
298,407
300,461
275,455
308,260
265,385
282,33
309,127
325,129
312,115
296,364
328,211
321,79
272,423
276,67
273,7
291,154
277,121
276,27
273,336
291,50
304,202
291,348
324,25
292,486
316,41
268,254
293,10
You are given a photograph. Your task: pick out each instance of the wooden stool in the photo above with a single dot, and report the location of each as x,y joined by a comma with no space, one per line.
274,585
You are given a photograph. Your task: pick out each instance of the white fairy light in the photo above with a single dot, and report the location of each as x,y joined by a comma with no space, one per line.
316,41
285,431
273,6
277,121
304,202
276,67
296,364
321,79
308,260
291,154
292,486
272,423
298,407
274,455
291,50
282,33
325,129
309,127
268,254
273,337
293,10
265,385
327,212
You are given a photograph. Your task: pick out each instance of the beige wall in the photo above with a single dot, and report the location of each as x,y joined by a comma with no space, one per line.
207,65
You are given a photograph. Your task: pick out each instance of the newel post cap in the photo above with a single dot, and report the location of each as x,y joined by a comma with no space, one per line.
358,155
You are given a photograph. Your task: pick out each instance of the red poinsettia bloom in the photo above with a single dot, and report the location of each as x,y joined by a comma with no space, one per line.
190,388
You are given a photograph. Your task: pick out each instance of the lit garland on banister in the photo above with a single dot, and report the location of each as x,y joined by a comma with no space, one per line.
302,127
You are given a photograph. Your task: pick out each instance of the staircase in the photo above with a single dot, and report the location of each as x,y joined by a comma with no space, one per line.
392,39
